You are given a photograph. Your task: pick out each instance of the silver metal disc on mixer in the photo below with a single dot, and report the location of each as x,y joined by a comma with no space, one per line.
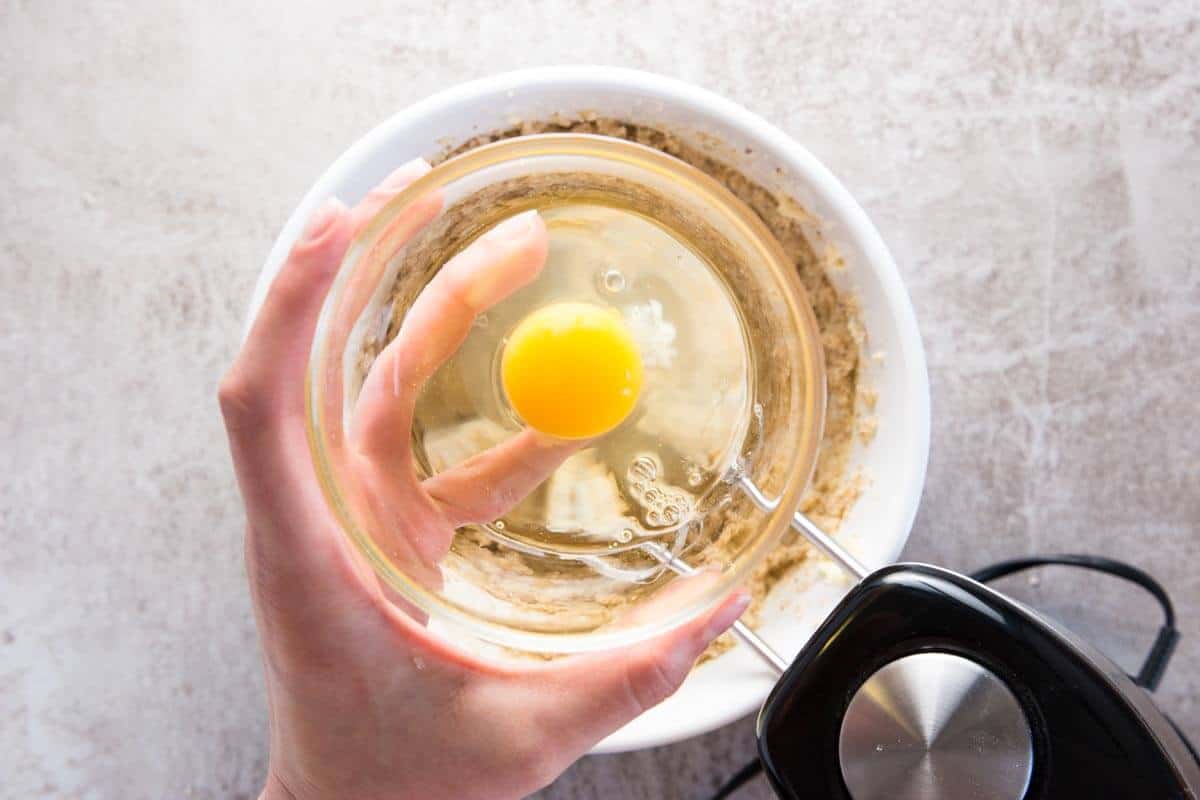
934,725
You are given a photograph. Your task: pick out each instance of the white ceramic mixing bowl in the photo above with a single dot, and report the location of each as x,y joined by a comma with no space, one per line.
893,462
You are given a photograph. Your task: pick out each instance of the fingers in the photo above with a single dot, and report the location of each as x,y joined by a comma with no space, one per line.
413,530
490,484
494,266
262,397
392,185
267,379
589,697
265,387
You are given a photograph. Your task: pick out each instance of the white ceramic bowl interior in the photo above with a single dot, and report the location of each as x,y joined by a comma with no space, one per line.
893,462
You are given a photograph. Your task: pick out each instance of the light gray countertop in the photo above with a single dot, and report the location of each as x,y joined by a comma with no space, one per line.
1034,167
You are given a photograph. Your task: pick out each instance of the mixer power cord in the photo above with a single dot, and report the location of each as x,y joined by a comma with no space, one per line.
1163,648
1148,677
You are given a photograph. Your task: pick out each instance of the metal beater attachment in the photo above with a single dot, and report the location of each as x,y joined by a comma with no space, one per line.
808,529
764,651
801,525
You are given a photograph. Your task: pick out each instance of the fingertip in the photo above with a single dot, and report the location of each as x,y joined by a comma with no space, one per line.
539,242
405,174
687,643
383,192
725,615
625,684
507,258
322,230
701,633
516,228
323,219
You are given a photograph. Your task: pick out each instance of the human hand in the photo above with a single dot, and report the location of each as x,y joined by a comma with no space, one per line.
364,701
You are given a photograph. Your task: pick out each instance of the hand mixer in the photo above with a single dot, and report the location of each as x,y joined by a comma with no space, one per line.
925,684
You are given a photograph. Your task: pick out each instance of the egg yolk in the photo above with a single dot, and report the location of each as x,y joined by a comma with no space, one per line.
572,370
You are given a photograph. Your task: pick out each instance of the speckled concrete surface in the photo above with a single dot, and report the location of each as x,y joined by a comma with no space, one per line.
1035,168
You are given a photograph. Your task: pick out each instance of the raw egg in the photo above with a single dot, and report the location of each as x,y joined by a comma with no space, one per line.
572,370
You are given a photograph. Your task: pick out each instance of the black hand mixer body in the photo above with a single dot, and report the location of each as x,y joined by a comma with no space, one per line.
1088,731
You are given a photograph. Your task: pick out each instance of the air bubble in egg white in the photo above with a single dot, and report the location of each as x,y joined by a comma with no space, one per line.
643,468
613,281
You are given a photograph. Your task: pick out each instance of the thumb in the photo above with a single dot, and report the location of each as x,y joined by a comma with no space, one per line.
592,696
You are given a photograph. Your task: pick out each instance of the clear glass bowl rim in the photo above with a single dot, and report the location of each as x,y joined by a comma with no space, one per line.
708,191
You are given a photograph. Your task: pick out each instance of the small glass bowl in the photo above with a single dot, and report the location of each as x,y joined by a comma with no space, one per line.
499,591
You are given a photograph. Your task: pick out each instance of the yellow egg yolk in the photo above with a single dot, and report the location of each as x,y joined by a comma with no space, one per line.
572,370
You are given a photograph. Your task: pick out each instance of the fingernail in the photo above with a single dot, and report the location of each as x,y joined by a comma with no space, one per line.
323,217
513,229
405,174
728,615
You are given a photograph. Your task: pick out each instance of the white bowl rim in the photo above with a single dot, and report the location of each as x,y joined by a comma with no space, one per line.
804,168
